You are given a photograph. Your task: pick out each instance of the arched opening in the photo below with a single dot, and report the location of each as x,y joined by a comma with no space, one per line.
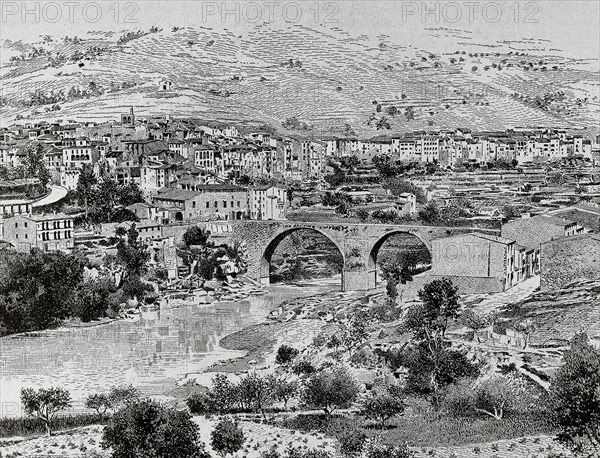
396,250
178,216
301,254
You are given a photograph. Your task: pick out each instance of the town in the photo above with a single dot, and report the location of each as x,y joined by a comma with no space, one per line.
495,235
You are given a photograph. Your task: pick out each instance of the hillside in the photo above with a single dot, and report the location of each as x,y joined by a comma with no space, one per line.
325,77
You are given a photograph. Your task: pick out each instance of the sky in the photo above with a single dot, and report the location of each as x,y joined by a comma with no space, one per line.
570,25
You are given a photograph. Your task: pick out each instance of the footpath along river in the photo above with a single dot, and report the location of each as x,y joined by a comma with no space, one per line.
151,353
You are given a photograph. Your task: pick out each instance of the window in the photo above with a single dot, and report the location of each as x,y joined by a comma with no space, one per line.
207,204
25,223
216,204
224,204
16,224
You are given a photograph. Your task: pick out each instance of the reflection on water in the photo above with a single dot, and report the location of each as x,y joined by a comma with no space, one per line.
150,353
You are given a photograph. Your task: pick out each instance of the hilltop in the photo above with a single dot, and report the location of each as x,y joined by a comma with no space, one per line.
324,77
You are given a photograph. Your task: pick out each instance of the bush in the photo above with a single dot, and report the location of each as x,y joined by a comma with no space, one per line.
199,404
352,442
364,358
227,437
147,428
286,355
303,368
459,399
374,448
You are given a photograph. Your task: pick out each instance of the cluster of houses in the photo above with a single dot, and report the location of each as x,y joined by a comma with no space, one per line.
463,146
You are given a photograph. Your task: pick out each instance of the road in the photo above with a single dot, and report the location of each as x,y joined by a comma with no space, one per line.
57,193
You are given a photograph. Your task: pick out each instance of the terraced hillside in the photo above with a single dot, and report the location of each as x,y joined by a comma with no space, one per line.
324,77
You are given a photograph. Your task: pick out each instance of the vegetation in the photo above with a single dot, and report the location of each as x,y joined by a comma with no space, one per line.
330,389
432,364
286,354
227,437
105,200
148,428
383,404
575,394
44,404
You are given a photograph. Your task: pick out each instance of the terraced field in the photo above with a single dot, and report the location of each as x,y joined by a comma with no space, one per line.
325,77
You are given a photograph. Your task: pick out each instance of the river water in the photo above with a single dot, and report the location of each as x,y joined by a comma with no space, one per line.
151,353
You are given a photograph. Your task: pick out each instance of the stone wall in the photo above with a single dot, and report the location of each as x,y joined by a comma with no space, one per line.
569,259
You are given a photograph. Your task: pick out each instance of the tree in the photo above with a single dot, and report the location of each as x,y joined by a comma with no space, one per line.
429,320
499,394
132,253
284,390
31,298
354,333
227,437
476,322
256,392
526,327
99,402
330,389
409,113
86,185
147,428
433,365
45,403
430,213
383,123
196,235
383,404
575,397
35,165
286,354
129,194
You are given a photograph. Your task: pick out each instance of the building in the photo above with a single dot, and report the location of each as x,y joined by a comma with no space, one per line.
266,202
569,259
207,202
47,232
147,229
531,232
587,216
476,263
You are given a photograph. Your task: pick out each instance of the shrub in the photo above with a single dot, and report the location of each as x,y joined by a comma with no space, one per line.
227,437
286,355
303,368
147,428
352,442
199,404
374,448
459,399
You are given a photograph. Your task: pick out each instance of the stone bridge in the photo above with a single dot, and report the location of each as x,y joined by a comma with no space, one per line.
359,244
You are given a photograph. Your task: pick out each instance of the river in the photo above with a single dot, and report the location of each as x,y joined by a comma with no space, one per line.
151,353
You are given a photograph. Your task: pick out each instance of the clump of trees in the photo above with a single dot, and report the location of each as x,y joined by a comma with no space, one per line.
115,399
253,393
106,200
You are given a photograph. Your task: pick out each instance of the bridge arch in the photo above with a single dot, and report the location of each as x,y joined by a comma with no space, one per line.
424,245
271,246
